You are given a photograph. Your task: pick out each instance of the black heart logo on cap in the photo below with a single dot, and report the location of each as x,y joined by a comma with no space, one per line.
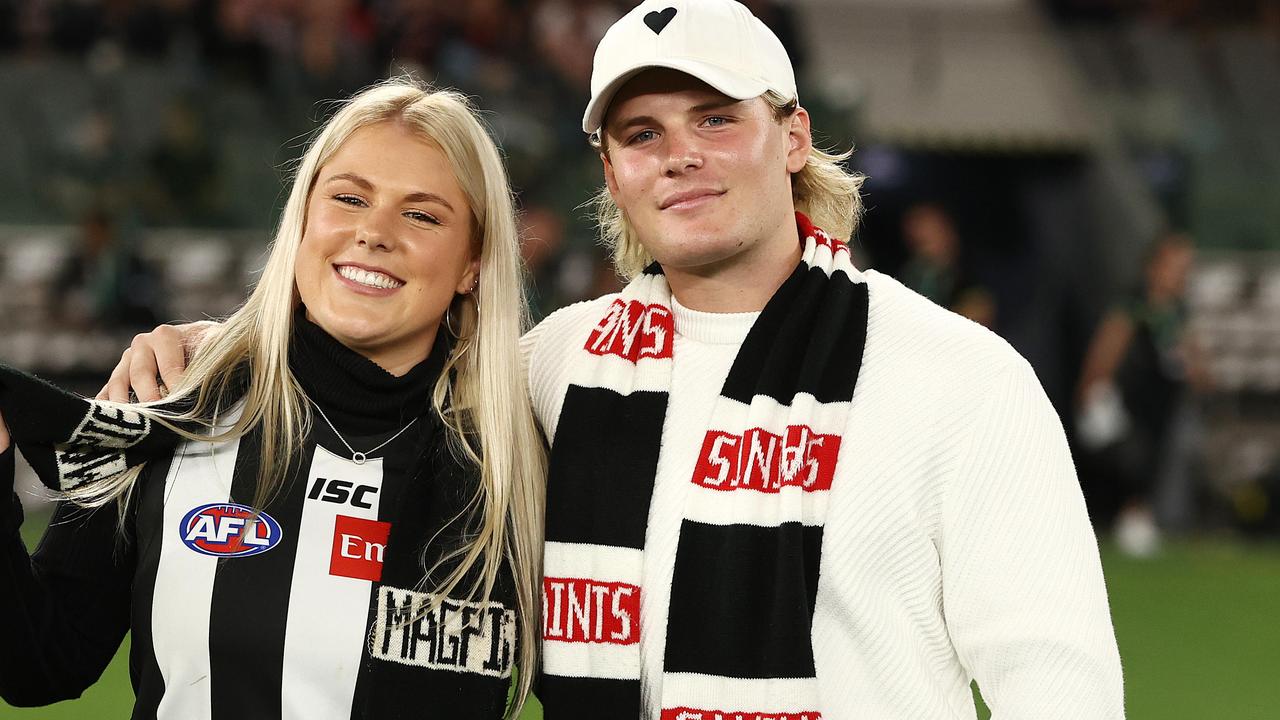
658,20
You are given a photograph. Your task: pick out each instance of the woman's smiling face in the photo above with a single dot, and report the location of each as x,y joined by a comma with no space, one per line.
388,242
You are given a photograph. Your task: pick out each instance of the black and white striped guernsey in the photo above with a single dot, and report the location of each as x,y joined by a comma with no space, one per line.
314,611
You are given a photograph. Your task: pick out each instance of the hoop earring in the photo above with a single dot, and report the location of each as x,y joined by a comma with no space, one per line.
448,317
448,321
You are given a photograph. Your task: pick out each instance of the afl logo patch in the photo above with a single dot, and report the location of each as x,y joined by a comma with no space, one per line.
229,530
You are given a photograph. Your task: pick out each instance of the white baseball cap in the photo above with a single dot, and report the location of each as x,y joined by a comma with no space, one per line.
717,41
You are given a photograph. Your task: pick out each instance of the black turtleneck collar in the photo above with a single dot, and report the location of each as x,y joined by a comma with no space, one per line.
357,395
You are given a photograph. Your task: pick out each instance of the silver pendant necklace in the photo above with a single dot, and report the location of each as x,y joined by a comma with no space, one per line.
359,458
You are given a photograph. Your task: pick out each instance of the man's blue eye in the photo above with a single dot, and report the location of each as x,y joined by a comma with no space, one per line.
642,136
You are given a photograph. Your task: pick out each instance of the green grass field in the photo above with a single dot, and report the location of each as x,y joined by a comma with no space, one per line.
1198,628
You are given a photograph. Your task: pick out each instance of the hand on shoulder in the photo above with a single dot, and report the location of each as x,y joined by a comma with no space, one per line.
155,362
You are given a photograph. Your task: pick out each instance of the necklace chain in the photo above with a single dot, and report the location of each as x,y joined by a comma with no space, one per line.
359,458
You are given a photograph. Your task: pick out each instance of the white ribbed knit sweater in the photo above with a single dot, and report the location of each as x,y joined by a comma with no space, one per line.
956,545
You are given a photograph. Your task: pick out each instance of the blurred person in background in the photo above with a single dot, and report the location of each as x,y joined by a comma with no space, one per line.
565,34
337,512
781,18
183,184
542,240
1140,365
104,284
87,160
234,38
561,273
936,267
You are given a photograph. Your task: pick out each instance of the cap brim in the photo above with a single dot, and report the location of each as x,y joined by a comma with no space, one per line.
725,81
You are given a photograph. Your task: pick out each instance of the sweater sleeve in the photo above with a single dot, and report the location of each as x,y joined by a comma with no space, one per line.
65,609
1023,589
546,351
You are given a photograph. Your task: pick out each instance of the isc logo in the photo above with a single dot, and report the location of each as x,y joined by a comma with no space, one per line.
342,492
229,530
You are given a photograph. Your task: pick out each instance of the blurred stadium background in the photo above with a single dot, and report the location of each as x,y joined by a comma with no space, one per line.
1051,168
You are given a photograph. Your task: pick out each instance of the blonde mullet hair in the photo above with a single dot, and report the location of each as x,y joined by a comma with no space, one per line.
822,189
480,394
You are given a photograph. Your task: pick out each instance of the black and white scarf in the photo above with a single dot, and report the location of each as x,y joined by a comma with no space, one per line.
746,569
70,441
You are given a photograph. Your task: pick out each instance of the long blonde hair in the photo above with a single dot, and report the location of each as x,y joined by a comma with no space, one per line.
822,190
480,394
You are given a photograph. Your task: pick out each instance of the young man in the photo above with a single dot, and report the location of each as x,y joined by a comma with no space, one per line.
781,487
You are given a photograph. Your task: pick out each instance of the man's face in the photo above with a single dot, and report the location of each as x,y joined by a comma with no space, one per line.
705,180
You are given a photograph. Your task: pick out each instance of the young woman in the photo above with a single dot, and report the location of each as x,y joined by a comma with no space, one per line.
337,512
